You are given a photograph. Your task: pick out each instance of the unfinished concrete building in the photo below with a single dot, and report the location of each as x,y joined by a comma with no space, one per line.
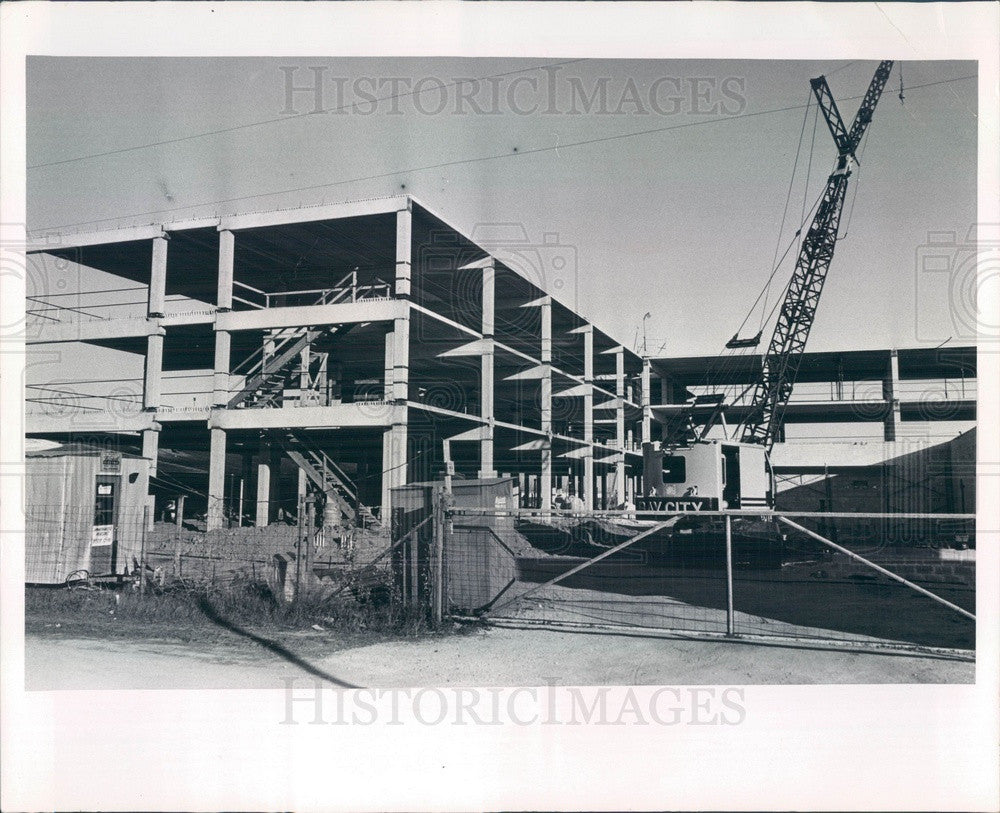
347,342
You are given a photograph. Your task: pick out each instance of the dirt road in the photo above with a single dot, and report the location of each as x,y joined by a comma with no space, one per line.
489,657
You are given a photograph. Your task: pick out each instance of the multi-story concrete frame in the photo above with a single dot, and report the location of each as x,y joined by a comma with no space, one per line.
901,394
352,338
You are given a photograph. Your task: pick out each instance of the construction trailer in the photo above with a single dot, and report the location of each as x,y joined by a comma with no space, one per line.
85,514
352,339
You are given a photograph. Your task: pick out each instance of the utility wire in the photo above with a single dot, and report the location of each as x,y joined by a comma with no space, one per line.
465,161
294,116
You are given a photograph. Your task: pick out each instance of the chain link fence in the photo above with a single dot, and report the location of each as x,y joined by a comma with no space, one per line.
894,581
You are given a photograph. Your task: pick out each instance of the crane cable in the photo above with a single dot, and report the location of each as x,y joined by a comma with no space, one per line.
784,213
729,358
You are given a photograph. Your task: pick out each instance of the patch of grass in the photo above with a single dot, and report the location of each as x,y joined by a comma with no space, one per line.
180,613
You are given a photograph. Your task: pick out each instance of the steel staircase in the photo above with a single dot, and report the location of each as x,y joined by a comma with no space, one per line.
328,477
266,371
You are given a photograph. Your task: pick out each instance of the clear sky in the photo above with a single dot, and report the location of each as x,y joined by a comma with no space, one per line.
681,222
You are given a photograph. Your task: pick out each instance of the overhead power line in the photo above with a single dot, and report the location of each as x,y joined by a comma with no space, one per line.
294,116
464,161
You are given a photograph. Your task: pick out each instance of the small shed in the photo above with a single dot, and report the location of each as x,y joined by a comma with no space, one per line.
479,563
85,510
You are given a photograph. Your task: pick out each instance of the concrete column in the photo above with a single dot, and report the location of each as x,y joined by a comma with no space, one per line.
246,495
216,479
153,373
394,462
404,237
647,412
546,405
221,394
401,359
588,418
263,483
620,492
302,485
486,384
151,448
890,389
158,278
224,297
387,386
664,391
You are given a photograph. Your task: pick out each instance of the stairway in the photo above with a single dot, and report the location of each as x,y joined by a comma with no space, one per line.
266,371
328,477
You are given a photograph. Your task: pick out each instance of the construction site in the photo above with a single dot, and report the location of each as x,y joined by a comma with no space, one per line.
358,399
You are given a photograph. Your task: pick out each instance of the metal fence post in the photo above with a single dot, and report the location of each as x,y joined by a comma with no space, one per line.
142,551
299,546
730,614
437,560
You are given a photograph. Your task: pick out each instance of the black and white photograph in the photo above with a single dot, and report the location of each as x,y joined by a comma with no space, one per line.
445,398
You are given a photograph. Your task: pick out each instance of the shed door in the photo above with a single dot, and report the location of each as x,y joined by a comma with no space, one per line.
104,535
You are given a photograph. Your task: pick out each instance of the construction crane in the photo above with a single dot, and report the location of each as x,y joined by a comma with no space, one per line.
798,311
686,470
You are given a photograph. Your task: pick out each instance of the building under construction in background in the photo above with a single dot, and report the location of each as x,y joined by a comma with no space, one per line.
335,349
330,354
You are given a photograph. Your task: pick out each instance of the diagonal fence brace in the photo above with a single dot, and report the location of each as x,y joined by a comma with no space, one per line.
879,568
584,565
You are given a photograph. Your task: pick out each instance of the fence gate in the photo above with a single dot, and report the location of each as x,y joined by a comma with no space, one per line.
738,574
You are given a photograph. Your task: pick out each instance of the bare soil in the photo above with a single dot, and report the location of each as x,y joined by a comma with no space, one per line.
476,657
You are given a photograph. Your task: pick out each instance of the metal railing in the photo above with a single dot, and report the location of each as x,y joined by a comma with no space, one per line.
347,289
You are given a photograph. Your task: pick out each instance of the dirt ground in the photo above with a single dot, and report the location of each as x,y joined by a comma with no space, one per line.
474,657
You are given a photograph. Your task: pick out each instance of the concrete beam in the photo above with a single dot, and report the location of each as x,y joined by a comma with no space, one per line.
89,422
543,372
473,348
385,310
53,241
187,224
310,214
199,317
576,391
335,416
93,331
444,320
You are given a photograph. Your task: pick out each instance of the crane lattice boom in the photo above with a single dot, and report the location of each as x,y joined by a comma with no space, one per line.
798,311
